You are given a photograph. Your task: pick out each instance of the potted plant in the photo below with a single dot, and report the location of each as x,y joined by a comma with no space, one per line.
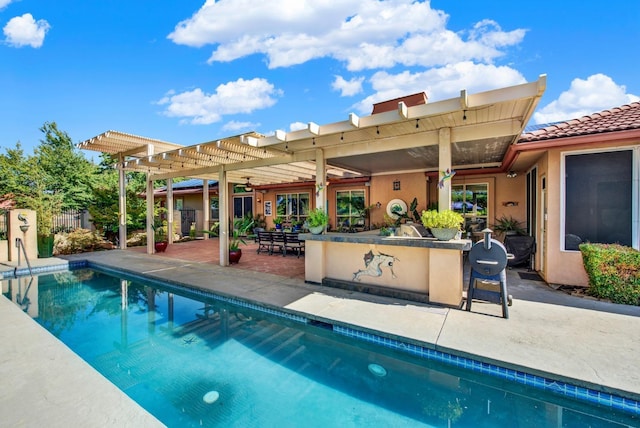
160,241
444,225
241,227
278,222
508,226
317,220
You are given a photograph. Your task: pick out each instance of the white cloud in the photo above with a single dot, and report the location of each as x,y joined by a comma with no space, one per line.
364,34
236,126
26,31
4,3
584,97
348,88
297,126
439,83
240,96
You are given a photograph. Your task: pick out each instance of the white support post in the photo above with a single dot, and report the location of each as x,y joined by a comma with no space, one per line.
444,164
170,210
321,177
122,204
150,206
223,189
206,206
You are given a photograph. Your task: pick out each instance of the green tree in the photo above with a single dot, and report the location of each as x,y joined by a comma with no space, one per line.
15,176
66,172
104,209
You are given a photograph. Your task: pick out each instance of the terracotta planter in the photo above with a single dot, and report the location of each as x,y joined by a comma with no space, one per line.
234,256
161,246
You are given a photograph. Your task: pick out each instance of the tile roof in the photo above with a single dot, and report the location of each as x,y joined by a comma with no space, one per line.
626,117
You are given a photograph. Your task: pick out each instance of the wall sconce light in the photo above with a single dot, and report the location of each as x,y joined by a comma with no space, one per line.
396,185
512,174
378,205
258,200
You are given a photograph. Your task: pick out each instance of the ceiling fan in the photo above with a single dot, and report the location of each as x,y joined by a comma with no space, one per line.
248,186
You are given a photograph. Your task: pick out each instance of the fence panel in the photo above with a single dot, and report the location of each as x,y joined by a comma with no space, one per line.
70,220
3,224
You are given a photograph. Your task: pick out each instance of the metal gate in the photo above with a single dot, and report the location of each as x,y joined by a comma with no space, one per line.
186,218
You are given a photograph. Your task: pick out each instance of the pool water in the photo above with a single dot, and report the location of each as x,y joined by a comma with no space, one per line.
193,361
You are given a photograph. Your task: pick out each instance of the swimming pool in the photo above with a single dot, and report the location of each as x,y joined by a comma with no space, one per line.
192,359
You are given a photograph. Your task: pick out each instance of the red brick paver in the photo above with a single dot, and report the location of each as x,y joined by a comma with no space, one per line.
208,251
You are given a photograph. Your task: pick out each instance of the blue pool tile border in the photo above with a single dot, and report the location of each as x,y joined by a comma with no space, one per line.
517,376
24,271
559,387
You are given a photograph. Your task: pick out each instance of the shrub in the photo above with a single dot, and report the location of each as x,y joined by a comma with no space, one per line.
77,241
614,272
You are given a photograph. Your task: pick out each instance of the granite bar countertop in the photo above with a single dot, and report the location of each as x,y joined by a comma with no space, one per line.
401,241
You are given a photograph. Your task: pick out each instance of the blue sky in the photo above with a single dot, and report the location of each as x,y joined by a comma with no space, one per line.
191,71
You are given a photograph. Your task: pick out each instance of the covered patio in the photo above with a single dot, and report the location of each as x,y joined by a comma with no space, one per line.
470,133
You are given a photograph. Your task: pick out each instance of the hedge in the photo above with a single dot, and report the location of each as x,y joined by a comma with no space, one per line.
614,272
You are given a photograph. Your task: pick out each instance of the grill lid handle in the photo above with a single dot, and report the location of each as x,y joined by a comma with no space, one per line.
487,238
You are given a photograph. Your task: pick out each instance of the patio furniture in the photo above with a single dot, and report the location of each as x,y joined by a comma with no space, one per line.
523,249
277,241
255,233
291,242
265,241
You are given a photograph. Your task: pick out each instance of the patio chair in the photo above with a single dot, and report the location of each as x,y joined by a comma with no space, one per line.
265,241
277,242
254,235
292,242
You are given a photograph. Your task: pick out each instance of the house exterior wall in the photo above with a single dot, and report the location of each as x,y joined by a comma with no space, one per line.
412,185
562,266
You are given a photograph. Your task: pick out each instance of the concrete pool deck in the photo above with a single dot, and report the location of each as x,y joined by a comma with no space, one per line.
549,333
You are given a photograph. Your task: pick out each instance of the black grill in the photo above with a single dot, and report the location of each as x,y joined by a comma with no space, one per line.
488,278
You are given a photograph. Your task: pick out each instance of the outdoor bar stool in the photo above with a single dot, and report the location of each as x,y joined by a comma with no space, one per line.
488,278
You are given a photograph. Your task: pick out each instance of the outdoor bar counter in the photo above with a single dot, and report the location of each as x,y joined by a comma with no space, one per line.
421,268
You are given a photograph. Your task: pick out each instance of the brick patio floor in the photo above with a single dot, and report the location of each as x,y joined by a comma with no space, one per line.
208,251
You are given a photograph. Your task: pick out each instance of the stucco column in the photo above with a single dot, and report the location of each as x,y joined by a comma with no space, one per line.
170,210
444,164
223,199
206,206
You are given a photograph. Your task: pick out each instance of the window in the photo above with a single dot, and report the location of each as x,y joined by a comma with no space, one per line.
215,209
472,201
292,206
598,198
350,209
242,206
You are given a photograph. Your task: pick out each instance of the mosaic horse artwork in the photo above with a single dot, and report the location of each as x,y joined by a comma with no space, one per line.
373,265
